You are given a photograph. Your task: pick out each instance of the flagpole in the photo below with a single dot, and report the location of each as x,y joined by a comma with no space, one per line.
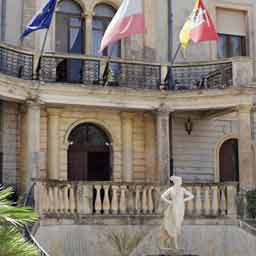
176,53
38,67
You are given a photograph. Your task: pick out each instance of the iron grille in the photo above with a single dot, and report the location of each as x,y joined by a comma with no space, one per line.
17,64
68,70
202,76
134,75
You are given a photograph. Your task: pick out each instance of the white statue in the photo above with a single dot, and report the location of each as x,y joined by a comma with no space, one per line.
175,196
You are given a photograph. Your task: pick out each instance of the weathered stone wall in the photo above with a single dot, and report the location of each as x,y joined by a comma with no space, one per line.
10,143
203,240
111,122
195,155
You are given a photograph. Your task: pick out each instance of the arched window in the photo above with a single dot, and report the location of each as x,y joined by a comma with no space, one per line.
89,154
69,38
103,16
229,164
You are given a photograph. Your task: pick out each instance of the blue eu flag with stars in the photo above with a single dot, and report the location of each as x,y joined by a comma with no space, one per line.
42,20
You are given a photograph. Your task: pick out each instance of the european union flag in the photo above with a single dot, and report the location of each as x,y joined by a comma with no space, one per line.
42,20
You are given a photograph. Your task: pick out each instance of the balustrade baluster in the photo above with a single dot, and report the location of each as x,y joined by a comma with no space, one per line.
150,200
56,198
123,203
115,203
138,199
207,203
106,200
61,198
223,201
131,199
144,200
215,200
198,203
72,199
66,198
190,203
51,200
98,203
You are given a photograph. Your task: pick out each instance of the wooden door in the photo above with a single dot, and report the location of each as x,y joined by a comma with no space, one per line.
229,165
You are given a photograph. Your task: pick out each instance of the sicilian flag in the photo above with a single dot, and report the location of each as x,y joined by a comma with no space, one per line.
199,26
129,20
42,20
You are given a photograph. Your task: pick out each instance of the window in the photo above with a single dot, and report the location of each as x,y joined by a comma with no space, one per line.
231,46
103,16
232,30
69,39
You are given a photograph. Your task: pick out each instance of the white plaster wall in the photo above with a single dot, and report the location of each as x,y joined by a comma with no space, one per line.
13,21
92,240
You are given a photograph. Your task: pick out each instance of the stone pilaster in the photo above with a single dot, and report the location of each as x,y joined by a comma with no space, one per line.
88,33
127,130
150,148
53,143
33,141
245,148
163,145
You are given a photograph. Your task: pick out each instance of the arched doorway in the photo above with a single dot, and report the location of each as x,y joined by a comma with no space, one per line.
89,154
228,161
69,38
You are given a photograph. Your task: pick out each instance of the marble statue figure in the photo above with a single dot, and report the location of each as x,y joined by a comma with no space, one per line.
175,197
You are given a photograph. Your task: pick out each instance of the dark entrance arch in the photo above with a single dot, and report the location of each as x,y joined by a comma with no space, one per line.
89,154
229,164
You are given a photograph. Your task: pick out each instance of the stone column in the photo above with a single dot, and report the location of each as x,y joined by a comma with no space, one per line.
245,148
150,148
53,143
127,129
33,141
163,145
88,33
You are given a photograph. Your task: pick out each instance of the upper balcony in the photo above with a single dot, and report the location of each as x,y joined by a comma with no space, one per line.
93,71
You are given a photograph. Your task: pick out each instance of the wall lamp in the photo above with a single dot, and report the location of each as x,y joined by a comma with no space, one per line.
188,125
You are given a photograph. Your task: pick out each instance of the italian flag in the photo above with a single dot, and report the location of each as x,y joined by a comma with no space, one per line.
199,26
129,20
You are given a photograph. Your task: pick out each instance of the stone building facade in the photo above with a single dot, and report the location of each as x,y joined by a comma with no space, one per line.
78,135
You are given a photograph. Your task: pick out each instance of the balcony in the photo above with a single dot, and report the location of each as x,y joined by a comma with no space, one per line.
92,71
72,200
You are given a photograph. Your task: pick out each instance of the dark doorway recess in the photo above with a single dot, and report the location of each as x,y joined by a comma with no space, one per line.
229,164
89,154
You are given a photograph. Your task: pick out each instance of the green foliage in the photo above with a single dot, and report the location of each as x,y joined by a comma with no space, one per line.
13,244
11,220
251,204
123,243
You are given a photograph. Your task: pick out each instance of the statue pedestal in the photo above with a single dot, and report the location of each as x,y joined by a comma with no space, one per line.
172,252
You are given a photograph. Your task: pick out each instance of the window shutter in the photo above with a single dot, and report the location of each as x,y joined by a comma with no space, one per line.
231,22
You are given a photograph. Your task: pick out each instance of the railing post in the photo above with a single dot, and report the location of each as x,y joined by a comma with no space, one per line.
207,206
198,203
138,199
123,203
114,203
106,200
144,200
215,200
223,201
84,199
190,203
98,203
231,200
150,200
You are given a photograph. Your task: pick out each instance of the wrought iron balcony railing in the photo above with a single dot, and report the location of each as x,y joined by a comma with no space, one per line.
93,71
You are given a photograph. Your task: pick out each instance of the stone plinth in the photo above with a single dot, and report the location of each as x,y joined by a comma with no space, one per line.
172,252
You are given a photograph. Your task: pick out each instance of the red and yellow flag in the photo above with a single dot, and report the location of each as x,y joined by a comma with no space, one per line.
199,26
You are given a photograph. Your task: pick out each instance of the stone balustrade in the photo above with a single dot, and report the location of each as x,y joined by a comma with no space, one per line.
107,198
